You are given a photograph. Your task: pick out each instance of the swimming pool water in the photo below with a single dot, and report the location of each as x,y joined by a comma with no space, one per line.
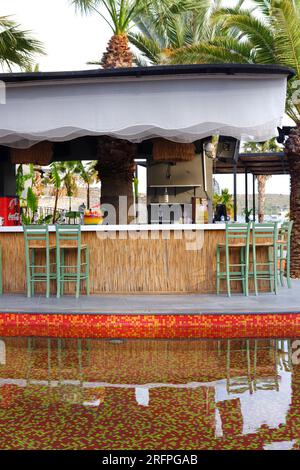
149,394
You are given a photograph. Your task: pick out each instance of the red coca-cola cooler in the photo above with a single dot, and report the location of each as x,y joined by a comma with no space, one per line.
10,211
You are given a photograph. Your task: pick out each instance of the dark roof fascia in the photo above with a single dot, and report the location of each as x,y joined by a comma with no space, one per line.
161,70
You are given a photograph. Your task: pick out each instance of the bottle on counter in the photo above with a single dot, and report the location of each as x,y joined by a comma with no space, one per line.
166,196
204,209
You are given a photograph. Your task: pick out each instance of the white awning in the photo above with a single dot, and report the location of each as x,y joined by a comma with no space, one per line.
182,107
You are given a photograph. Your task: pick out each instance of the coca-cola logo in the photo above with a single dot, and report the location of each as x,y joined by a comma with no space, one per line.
14,217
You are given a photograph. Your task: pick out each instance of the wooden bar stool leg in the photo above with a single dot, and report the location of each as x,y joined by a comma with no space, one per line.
32,276
270,263
28,273
47,273
288,268
254,269
218,270
87,270
227,261
275,255
78,273
58,273
247,271
62,272
242,262
281,270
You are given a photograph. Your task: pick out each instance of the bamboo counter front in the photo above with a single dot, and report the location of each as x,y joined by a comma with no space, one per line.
131,259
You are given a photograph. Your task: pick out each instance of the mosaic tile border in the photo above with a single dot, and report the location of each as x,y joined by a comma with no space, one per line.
150,326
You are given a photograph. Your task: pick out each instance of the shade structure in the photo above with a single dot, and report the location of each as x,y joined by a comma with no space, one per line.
265,163
179,103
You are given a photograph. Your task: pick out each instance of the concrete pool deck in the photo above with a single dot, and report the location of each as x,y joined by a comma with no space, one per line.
286,301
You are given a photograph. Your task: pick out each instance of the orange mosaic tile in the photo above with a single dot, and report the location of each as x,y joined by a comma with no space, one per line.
150,326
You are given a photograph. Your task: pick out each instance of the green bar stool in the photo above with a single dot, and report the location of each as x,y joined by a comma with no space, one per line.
68,237
37,239
237,238
265,235
1,281
284,245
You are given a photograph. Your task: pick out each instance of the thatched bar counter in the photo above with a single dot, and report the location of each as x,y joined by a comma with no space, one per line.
131,259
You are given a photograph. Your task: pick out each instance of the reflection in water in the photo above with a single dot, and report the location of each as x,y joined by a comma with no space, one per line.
148,394
2,352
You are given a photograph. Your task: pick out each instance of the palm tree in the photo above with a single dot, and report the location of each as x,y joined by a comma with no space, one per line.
120,16
115,166
116,170
69,172
267,34
170,25
54,178
22,178
89,176
238,28
63,175
115,157
261,184
17,47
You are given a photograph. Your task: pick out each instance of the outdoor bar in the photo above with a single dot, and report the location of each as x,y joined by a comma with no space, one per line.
170,248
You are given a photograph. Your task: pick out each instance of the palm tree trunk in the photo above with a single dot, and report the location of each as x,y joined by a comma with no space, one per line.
292,150
118,53
261,179
112,187
116,157
55,206
88,196
116,172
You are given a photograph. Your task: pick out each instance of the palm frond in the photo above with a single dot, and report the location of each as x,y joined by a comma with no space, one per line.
147,46
54,175
85,6
248,26
264,6
292,109
221,50
17,47
139,61
171,24
286,20
32,200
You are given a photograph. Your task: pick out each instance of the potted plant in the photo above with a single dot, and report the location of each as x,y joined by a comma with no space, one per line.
224,198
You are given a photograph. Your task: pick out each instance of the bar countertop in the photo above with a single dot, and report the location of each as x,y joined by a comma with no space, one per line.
131,259
129,228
